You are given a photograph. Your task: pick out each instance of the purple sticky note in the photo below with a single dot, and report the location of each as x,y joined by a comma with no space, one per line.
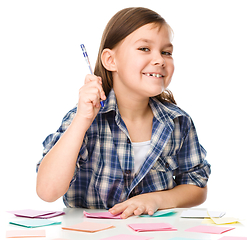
29,213
51,215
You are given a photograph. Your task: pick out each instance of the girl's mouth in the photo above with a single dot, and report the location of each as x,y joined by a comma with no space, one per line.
157,75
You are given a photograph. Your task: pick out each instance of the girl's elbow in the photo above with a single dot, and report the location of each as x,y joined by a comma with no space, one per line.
45,194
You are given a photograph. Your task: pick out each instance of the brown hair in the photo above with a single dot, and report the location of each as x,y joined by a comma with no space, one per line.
119,27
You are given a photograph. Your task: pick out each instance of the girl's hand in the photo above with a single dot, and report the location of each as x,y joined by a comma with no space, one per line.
142,204
90,95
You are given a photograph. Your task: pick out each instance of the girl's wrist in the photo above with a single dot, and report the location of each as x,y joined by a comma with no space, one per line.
165,200
80,123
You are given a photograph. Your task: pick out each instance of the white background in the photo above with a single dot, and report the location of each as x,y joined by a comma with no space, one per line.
42,69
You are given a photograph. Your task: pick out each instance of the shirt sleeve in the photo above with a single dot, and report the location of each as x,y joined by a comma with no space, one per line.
193,168
52,139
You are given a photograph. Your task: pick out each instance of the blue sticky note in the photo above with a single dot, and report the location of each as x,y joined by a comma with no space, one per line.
162,213
33,223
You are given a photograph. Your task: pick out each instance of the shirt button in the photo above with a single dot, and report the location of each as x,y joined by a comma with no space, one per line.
167,165
128,140
127,172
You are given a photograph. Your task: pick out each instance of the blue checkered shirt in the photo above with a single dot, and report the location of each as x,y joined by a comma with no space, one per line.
105,174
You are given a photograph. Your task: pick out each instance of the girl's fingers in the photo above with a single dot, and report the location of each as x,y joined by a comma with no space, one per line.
91,78
96,82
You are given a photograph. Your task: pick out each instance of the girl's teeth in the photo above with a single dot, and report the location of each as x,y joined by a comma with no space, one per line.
154,75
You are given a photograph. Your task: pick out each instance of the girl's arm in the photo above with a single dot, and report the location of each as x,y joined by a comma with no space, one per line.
57,167
180,196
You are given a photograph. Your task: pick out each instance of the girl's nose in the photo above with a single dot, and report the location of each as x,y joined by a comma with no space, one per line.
158,60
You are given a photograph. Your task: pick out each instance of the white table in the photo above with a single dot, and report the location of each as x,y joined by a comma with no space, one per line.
74,216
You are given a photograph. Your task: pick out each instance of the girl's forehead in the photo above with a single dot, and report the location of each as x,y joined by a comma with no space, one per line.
149,32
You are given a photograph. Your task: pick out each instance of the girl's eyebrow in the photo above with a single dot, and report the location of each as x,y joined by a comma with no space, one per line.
150,41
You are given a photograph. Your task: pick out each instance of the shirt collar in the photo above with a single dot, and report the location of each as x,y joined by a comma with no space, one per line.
163,111
110,104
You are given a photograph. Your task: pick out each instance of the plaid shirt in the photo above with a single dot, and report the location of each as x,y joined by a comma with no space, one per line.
105,174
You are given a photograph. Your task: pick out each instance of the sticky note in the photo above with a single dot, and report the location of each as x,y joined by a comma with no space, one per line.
145,227
29,213
101,215
233,238
88,227
209,229
60,239
225,220
51,215
182,238
162,213
126,236
193,213
25,233
33,223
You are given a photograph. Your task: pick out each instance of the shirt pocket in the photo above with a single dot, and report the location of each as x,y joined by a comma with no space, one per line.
166,164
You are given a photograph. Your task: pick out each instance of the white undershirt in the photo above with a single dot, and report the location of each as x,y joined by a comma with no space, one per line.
140,152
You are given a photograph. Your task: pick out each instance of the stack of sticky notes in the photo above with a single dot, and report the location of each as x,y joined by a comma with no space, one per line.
146,227
25,233
33,223
101,215
29,213
89,227
209,229
194,213
33,219
126,236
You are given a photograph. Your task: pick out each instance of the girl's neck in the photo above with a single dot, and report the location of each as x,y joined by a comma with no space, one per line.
137,116
132,107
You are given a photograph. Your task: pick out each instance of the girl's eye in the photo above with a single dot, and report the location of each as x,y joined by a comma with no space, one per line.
144,49
166,53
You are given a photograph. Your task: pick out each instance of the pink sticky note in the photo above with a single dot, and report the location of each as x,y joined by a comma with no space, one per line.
209,229
233,238
25,233
125,236
89,227
144,227
101,215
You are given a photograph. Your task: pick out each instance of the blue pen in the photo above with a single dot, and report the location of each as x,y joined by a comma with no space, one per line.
89,65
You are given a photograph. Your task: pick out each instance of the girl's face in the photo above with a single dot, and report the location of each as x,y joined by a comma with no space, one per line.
143,62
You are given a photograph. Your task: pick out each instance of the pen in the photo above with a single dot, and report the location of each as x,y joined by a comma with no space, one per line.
89,65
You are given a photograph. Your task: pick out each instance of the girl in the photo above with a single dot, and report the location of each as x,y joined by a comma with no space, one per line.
140,152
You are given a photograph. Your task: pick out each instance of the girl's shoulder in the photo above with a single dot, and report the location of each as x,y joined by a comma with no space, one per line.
166,108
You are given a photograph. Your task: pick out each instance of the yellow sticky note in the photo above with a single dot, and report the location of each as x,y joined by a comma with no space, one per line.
207,221
225,220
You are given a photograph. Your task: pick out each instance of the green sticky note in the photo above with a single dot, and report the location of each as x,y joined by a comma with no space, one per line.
33,223
162,213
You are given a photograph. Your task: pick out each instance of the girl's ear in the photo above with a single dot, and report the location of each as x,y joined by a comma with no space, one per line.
107,58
